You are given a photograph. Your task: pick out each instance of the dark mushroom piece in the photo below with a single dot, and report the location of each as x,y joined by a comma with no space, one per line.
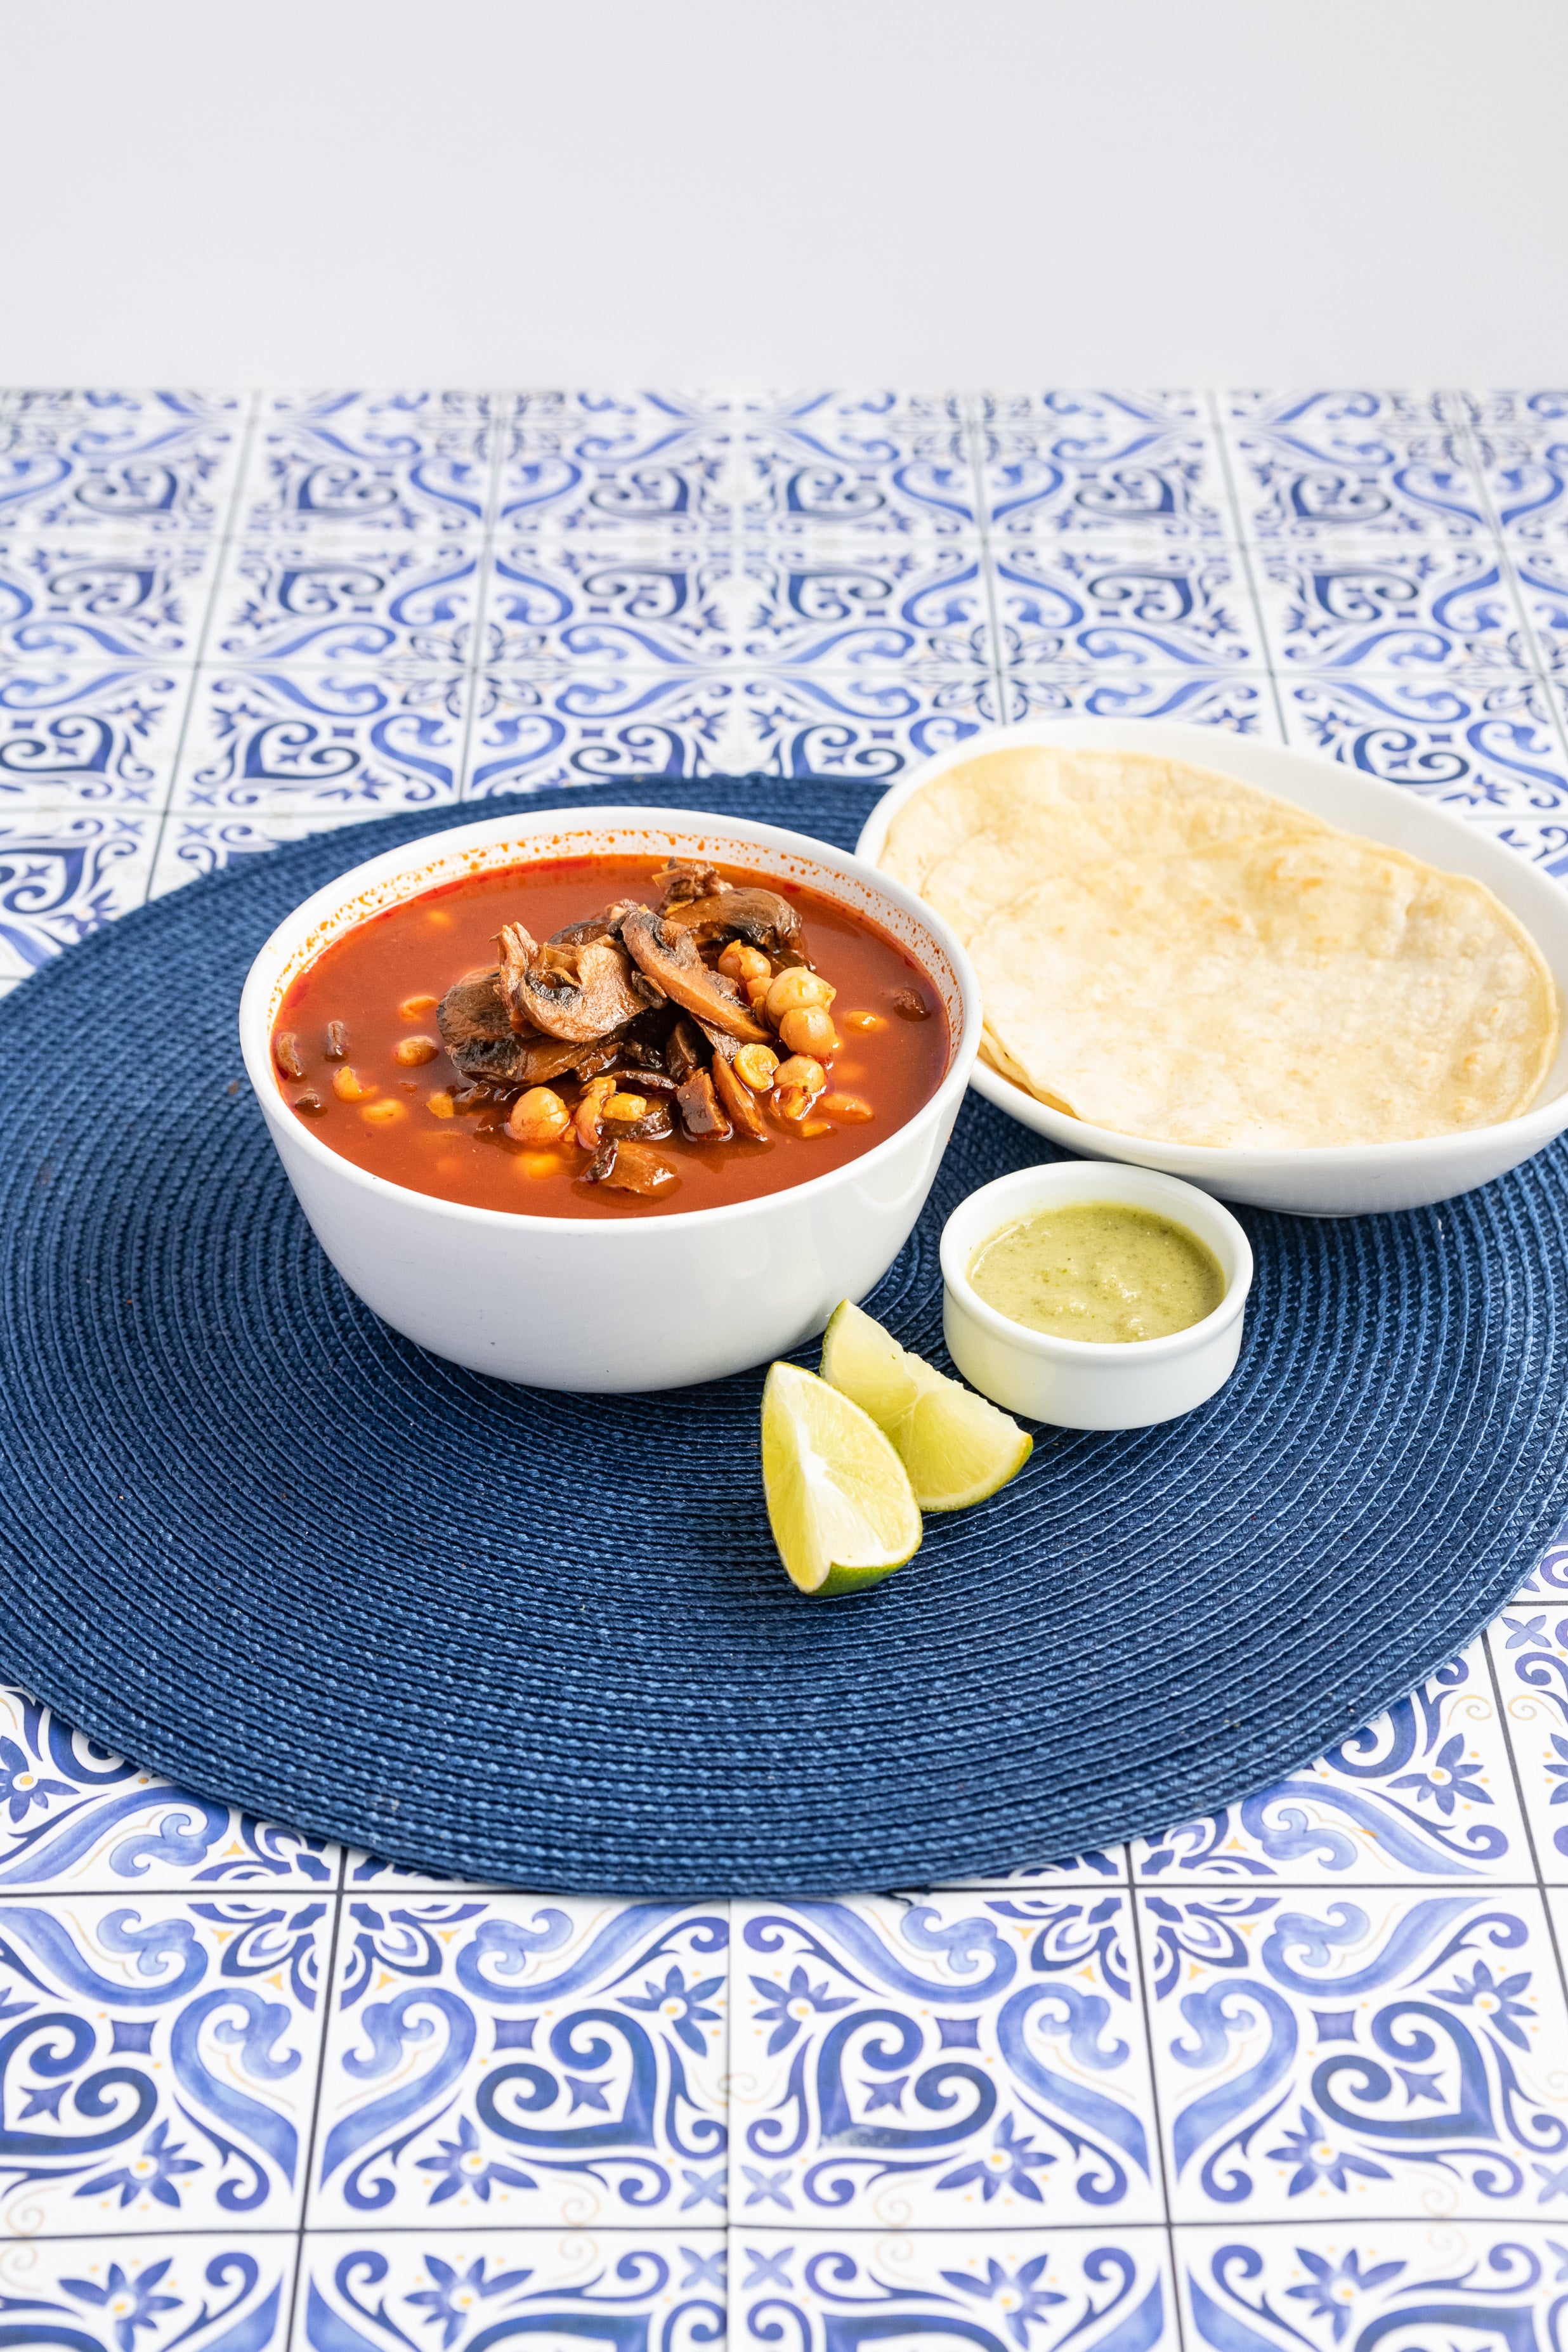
671,961
759,916
700,1115
631,1167
680,878
574,992
652,1125
738,1100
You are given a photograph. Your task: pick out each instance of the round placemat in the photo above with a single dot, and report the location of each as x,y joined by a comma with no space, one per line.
253,1539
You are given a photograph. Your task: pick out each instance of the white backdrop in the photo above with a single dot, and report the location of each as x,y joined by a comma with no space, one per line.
1008,192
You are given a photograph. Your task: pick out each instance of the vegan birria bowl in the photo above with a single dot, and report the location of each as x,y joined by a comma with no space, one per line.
656,1298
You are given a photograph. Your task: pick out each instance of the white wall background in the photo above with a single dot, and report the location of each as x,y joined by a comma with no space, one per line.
1004,192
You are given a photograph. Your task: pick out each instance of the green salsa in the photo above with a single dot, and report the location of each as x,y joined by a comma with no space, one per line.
1097,1272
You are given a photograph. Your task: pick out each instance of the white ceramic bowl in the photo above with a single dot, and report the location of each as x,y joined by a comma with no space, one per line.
569,1304
1085,1384
1335,1179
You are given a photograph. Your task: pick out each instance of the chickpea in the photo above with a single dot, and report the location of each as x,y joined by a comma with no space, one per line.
863,1023
755,1064
415,1008
795,988
538,1116
626,1106
808,1029
800,1070
440,1104
852,1107
383,1114
740,962
411,1051
590,1111
347,1086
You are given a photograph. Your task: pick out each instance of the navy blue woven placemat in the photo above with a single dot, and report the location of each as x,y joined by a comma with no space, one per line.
252,1540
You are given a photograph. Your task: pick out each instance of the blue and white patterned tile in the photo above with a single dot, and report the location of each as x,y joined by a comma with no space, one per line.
450,2289
587,462
592,728
1101,2290
63,875
1121,606
1439,608
1355,2051
190,406
391,1880
1107,1868
960,2062
324,597
1525,478
152,472
797,469
110,2294
304,741
1244,704
79,737
192,845
638,600
1425,1792
102,596
512,2059
369,462
1487,2287
1089,465
1541,584
76,1817
1529,1643
1533,415
162,2061
1488,750
1325,465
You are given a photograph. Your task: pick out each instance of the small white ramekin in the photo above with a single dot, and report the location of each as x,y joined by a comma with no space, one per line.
1087,1383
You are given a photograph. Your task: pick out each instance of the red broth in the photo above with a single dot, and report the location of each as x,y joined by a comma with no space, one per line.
888,1060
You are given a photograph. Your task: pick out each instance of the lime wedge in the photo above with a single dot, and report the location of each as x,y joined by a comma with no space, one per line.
838,1497
956,1447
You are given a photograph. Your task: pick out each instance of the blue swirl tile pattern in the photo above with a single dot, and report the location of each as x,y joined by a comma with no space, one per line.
1293,2076
507,2059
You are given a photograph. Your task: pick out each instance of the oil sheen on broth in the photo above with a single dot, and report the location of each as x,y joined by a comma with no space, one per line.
1099,1272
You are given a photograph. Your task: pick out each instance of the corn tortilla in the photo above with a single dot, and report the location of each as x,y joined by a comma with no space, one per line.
1174,954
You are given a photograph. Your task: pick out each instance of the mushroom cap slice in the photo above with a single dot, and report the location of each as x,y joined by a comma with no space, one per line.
762,918
577,991
670,959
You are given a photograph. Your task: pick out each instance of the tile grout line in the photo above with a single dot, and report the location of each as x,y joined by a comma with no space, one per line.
1548,1916
1146,2013
969,408
1557,717
328,1984
1243,546
488,535
224,536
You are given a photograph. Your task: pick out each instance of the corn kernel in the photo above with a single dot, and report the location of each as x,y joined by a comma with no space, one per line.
415,1008
383,1114
411,1051
863,1023
347,1086
440,1104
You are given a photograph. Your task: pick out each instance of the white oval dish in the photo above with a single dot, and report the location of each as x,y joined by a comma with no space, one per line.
1333,1180
1088,1383
569,1304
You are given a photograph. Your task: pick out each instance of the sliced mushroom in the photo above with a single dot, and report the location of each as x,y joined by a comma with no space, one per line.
637,1169
671,961
762,918
653,1124
682,878
700,1113
683,1050
738,1100
574,992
